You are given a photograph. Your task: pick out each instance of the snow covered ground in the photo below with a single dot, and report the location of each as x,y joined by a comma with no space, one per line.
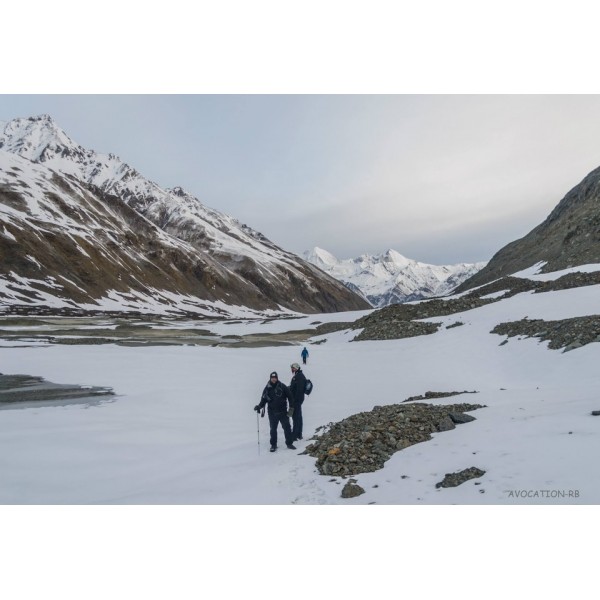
182,431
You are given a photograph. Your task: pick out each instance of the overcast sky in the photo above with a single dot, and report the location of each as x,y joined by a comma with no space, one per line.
439,178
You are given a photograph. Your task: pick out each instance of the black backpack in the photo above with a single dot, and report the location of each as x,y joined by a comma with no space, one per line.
308,387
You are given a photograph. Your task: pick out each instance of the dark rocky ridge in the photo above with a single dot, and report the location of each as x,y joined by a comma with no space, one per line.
566,333
569,237
432,395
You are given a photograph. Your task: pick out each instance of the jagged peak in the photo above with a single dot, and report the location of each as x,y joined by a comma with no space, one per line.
45,118
43,122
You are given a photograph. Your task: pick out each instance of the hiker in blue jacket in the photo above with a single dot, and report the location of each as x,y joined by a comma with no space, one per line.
276,396
304,355
297,386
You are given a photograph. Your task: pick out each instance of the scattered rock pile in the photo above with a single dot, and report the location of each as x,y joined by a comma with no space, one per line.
397,320
363,442
572,280
395,330
566,333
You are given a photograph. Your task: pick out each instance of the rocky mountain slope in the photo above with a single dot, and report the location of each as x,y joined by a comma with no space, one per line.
83,229
569,237
390,278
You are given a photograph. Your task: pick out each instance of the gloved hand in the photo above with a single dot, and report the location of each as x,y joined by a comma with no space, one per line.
290,411
257,408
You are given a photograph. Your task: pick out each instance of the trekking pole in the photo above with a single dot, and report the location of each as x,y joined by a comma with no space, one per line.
258,431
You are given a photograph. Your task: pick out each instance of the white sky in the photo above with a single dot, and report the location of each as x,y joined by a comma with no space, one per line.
464,155
439,178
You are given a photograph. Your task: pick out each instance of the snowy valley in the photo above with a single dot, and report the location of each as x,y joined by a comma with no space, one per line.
159,320
180,428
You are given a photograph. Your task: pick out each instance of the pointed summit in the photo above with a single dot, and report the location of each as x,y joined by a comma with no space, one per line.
37,139
395,257
320,258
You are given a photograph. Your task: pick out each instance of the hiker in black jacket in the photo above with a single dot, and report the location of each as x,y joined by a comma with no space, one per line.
297,389
276,395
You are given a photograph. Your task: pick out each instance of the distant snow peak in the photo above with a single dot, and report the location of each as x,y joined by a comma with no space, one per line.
318,256
390,277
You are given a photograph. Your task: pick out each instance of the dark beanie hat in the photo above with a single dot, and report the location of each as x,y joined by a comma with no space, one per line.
273,374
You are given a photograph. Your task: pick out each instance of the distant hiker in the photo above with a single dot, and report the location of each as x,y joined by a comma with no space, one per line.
304,355
297,389
276,396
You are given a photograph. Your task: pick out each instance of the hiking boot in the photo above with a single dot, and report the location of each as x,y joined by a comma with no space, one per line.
291,446
273,448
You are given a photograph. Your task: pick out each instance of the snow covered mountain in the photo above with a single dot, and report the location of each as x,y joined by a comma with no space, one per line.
72,214
390,278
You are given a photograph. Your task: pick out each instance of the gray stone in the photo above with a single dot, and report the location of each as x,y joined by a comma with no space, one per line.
460,418
446,424
456,479
351,490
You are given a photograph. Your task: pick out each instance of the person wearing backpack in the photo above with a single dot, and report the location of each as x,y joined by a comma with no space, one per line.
297,386
304,355
276,396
